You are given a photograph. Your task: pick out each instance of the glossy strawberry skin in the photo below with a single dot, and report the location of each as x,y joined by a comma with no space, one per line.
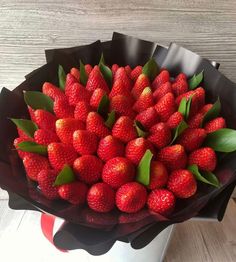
128,70
70,80
82,110
161,91
141,82
179,87
159,135
121,75
118,88
122,106
144,101
88,69
205,108
45,137
85,142
76,73
114,68
160,79
45,120
136,72
52,91
174,120
148,117
131,197
158,175
78,93
62,108
181,77
196,121
215,124
96,98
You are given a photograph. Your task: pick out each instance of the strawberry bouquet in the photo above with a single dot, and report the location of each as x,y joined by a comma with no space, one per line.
121,142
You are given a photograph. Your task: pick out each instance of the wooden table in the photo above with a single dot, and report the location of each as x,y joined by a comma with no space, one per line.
27,27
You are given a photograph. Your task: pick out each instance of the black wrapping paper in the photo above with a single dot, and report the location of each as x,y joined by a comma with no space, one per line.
84,228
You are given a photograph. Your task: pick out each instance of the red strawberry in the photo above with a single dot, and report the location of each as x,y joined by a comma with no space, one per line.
160,79
136,72
165,107
85,142
122,75
131,197
182,183
141,82
21,153
74,192
114,68
187,95
198,100
34,164
76,73
70,80
117,172
124,129
96,125
78,93
31,113
204,158
174,120
148,117
215,124
161,201
88,168
65,128
161,91
88,69
173,157
52,91
158,175
44,119
110,147
82,110
122,106
45,137
101,198
46,179
205,108
181,76
96,80
119,88
144,101
195,121
96,98
60,154
136,148
160,135
23,135
179,87
62,108
128,70
192,138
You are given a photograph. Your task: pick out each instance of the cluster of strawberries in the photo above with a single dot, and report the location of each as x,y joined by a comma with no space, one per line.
97,157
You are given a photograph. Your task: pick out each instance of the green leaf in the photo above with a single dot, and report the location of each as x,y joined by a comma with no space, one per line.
102,60
179,130
65,176
144,168
195,80
111,118
205,177
213,112
222,140
83,74
103,106
107,73
32,147
38,100
140,129
183,106
61,77
151,69
28,126
188,107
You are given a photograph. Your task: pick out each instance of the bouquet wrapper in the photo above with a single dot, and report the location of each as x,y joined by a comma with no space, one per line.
83,228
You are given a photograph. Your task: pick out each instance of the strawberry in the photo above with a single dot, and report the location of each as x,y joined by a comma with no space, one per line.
78,93
199,96
118,88
136,148
101,198
31,113
181,77
128,70
34,164
141,82
136,72
46,179
158,175
148,117
124,129
204,158
45,120
60,154
65,128
195,121
179,87
82,110
160,79
173,157
75,73
122,75
114,68
187,95
96,125
88,69
85,142
52,91
160,135
205,108
165,107
110,147
161,91
161,201
192,138
131,197
122,106
75,192
96,98
23,135
117,172
62,108
88,168
96,80
174,120
215,124
45,137
21,153
182,183
144,101
70,80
